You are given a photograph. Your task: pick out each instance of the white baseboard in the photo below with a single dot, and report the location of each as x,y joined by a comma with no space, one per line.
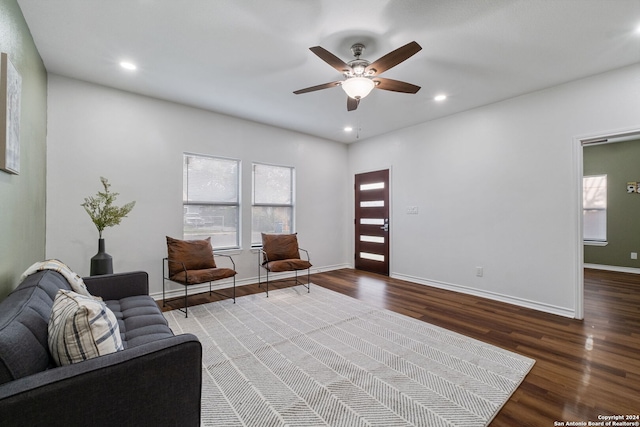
330,268
613,268
547,308
174,290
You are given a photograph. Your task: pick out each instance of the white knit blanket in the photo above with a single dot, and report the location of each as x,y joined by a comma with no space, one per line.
76,282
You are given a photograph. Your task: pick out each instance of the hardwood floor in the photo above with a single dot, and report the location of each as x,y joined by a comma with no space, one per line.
584,368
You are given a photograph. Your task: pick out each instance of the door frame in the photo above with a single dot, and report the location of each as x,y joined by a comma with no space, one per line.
578,155
352,214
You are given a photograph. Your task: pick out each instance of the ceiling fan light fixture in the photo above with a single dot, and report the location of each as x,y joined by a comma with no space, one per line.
358,87
362,76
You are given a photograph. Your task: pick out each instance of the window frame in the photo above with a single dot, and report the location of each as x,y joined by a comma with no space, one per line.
292,205
237,203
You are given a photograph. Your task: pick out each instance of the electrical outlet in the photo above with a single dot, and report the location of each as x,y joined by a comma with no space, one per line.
634,255
479,271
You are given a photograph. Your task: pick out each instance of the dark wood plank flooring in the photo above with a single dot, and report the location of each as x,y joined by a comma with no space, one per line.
584,368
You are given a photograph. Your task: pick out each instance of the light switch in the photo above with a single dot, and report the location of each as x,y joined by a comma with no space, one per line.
412,210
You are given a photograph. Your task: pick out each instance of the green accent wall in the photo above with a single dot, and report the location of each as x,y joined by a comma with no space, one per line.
621,162
23,196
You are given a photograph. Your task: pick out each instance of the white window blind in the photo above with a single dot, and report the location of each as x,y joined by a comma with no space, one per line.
272,209
211,199
594,208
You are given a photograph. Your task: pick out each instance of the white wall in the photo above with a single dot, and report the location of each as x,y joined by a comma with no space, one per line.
497,188
137,143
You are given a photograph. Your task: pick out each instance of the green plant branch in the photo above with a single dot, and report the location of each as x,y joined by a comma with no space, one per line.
101,209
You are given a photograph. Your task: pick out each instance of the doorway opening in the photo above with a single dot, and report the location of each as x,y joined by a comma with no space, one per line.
581,143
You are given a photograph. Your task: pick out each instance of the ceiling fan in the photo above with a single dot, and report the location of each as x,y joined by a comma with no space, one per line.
362,75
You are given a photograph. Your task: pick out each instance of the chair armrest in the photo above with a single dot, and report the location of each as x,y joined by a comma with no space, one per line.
306,252
119,285
226,256
158,383
265,258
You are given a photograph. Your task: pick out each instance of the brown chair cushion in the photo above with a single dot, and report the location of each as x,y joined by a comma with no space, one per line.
201,276
287,265
280,246
195,254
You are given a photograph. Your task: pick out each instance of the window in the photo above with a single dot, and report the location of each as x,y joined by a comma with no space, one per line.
211,201
273,201
594,208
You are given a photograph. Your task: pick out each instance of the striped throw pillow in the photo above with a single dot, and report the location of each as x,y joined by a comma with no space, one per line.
81,328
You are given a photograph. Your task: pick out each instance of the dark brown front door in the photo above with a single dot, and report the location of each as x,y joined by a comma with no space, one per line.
372,222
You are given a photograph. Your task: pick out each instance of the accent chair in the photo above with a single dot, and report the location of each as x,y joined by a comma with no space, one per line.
192,262
280,253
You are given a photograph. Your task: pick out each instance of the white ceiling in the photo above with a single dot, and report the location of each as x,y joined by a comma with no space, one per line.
245,57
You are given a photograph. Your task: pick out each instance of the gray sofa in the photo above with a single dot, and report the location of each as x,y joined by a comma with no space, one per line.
155,381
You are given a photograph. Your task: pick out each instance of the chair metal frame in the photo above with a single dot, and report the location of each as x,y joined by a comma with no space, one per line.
165,269
262,256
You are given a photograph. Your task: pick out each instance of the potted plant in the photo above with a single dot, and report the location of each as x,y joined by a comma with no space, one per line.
104,214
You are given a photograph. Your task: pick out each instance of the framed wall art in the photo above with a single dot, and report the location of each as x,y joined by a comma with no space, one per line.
10,88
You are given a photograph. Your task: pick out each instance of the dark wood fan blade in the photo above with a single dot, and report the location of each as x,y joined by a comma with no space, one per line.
352,104
395,85
318,87
393,58
330,59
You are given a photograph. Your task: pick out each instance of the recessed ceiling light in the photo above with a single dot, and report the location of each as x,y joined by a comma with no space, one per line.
348,129
440,97
128,65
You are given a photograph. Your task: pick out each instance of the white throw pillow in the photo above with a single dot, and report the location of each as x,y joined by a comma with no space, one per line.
81,328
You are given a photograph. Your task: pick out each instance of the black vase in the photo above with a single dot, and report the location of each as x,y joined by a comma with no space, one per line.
102,262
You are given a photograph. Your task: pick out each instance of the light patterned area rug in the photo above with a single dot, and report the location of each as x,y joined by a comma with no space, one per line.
325,359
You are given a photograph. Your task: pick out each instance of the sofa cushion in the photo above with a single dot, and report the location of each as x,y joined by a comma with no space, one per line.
280,246
140,320
24,316
287,265
81,328
194,254
192,277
